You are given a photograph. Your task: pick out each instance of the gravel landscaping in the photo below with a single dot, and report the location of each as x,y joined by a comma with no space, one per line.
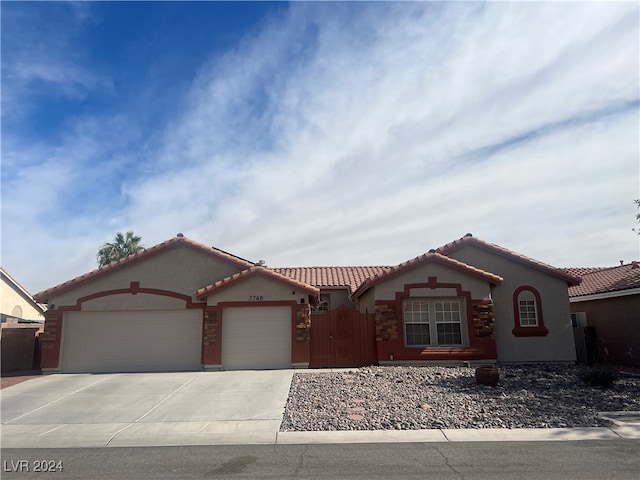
411,398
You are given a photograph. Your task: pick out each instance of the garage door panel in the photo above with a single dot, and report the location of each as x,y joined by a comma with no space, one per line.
256,338
132,341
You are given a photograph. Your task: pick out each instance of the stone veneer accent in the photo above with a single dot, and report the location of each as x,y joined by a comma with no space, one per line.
210,335
303,324
386,322
484,320
47,339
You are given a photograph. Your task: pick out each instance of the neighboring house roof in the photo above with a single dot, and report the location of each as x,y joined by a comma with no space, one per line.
21,289
608,280
580,271
421,260
351,277
136,257
469,239
250,272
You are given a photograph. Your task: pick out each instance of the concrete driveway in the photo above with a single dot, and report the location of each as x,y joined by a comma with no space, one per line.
145,409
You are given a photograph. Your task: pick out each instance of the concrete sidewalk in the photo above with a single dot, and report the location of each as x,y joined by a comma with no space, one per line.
259,433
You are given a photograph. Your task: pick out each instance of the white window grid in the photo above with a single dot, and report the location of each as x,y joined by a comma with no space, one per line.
416,319
528,313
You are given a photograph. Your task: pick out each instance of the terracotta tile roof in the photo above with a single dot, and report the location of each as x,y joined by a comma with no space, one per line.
427,258
136,257
471,240
351,277
580,271
607,280
255,270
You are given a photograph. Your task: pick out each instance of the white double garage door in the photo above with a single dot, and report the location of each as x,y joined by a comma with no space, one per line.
171,340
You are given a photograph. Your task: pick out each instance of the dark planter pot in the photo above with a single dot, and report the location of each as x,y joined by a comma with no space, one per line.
487,375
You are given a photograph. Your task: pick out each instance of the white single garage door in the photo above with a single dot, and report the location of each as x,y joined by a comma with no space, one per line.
256,338
142,341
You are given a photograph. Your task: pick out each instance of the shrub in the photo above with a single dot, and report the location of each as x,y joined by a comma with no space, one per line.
599,377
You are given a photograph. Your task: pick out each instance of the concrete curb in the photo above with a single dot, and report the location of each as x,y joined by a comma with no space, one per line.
231,433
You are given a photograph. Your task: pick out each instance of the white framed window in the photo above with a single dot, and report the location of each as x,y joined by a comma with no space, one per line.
432,322
528,312
448,322
416,323
528,309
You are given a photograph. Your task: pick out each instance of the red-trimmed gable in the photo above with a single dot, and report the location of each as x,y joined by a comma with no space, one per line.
468,239
174,242
250,272
430,257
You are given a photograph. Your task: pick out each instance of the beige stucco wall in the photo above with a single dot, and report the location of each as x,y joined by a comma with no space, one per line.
339,297
387,290
10,299
180,269
366,301
558,345
258,288
139,301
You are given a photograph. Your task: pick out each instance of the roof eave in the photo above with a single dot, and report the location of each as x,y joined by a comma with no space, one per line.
430,257
548,269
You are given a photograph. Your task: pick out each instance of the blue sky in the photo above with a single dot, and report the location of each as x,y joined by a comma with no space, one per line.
318,133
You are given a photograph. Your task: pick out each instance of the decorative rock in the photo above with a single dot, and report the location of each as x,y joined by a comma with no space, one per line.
447,397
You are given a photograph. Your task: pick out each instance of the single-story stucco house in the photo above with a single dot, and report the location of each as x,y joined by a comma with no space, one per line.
22,320
182,305
16,302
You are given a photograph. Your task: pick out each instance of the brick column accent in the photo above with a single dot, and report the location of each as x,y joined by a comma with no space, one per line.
484,320
211,347
303,323
50,340
210,334
386,322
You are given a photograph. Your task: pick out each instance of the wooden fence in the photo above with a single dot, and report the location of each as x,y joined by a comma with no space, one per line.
343,338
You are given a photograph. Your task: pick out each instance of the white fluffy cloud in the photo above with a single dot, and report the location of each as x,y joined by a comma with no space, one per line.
370,133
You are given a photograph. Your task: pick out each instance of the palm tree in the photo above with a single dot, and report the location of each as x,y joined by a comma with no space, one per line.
122,246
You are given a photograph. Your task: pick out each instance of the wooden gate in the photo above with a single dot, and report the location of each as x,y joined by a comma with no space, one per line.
343,338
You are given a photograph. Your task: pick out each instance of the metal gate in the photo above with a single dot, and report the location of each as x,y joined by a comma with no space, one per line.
343,338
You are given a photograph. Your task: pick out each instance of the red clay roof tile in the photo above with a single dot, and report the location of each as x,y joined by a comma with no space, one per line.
606,280
351,277
580,271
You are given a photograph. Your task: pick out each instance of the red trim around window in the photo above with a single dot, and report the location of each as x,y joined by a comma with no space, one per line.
521,331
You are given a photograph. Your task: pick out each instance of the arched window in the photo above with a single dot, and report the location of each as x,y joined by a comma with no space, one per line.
527,311
16,311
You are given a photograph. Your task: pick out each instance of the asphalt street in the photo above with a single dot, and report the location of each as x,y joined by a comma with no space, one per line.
591,459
